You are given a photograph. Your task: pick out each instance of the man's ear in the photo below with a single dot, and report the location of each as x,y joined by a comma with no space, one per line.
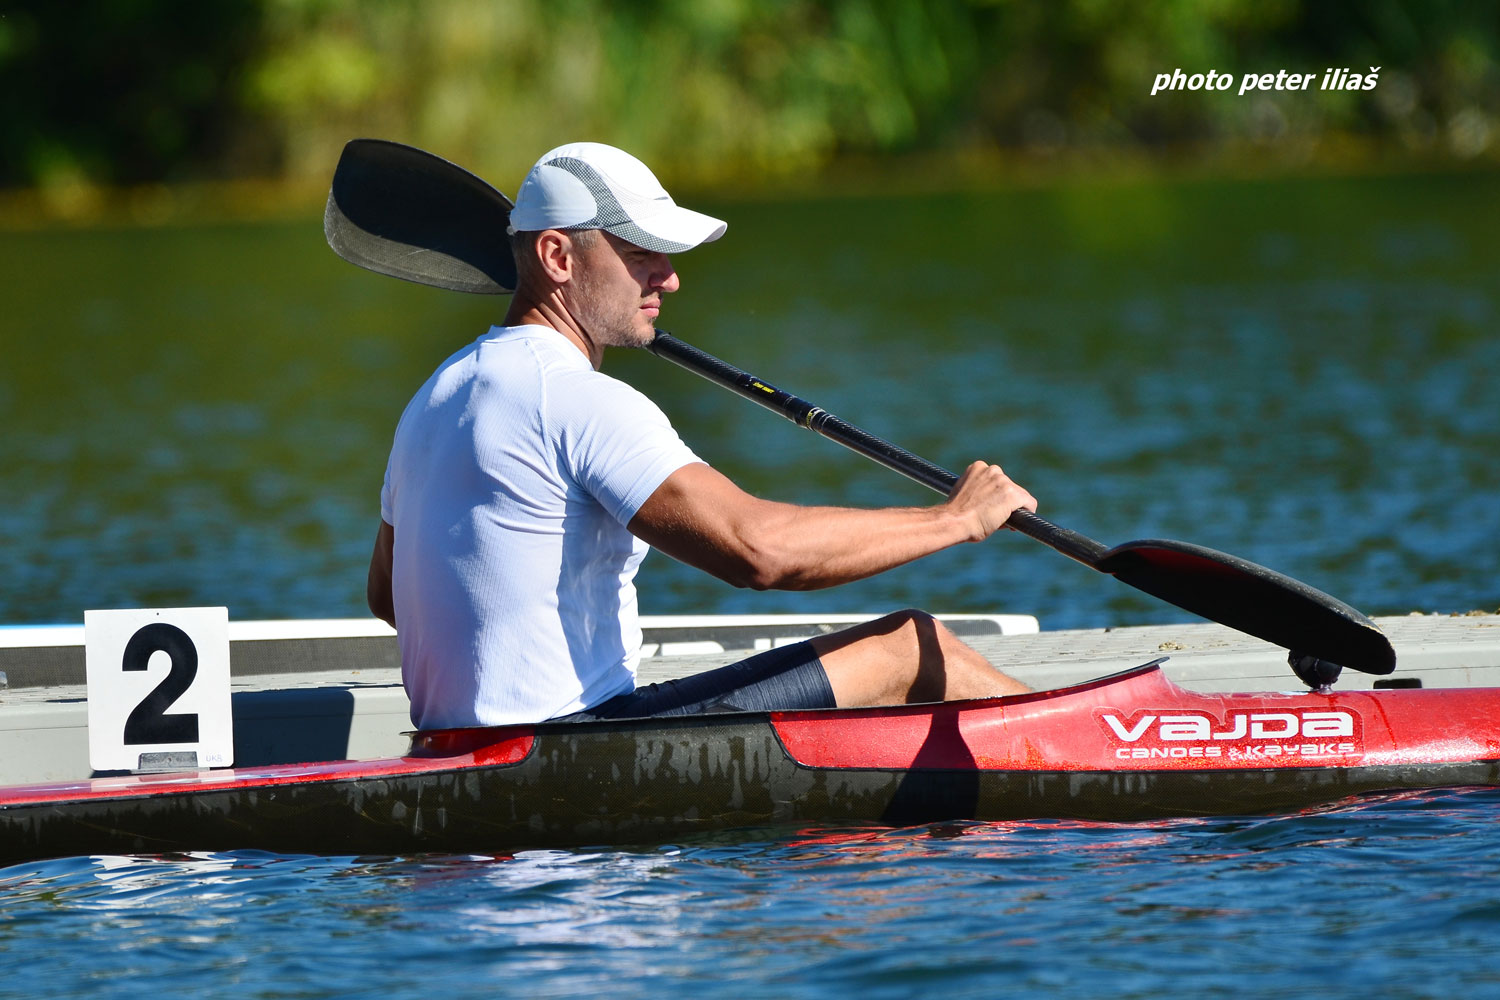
557,255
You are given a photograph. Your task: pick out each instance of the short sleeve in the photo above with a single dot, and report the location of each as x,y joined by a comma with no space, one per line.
617,444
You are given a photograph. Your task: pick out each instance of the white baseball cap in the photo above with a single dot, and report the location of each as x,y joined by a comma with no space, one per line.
588,185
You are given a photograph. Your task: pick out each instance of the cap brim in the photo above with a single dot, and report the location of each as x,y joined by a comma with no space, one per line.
672,231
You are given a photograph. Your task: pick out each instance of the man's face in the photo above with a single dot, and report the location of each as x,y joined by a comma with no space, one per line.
618,289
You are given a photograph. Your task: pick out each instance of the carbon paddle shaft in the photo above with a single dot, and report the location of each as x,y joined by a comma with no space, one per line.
914,467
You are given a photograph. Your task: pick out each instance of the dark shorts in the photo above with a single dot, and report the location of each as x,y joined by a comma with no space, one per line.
781,679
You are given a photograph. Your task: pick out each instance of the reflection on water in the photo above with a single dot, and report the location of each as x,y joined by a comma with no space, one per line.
1300,372
1394,888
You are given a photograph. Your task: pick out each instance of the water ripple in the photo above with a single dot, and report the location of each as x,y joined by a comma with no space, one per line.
1346,897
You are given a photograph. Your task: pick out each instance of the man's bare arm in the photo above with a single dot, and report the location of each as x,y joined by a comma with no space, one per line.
378,587
700,517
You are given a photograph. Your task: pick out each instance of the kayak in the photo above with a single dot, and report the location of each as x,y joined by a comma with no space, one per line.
1130,746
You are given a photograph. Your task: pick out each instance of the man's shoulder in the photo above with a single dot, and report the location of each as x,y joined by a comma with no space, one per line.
587,394
522,350
535,367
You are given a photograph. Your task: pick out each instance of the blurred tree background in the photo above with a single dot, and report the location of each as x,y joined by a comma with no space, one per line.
99,94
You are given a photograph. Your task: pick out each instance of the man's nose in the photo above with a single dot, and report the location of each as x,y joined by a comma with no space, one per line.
664,276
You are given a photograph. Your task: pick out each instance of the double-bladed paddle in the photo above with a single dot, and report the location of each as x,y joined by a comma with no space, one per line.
403,212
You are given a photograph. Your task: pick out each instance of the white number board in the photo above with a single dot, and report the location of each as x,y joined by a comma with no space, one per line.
158,689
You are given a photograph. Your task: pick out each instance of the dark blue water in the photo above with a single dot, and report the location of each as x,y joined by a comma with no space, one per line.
1396,898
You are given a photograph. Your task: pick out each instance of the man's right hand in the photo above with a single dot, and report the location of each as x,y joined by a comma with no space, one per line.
987,497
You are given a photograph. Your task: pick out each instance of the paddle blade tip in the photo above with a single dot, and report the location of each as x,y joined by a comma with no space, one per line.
1253,599
404,212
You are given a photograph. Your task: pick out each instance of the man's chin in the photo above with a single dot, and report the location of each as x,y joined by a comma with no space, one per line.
638,331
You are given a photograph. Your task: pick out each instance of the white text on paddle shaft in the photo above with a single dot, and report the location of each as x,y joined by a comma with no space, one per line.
1333,79
1243,725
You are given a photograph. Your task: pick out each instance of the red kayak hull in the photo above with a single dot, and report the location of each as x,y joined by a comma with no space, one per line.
1128,747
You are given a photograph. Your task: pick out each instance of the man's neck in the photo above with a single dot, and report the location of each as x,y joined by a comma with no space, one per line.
548,314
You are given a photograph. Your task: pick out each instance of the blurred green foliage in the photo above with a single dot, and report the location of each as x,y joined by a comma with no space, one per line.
133,91
124,91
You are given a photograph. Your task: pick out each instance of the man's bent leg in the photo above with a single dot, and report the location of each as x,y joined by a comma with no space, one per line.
781,679
908,657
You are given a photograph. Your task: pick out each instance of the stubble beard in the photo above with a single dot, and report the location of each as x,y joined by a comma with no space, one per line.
607,324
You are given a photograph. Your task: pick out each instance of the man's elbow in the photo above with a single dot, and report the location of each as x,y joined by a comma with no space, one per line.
762,569
378,593
385,613
381,605
750,578
378,580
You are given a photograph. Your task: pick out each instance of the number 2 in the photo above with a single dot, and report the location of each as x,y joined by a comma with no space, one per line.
149,722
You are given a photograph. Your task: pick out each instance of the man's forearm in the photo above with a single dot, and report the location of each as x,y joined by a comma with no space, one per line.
701,518
808,548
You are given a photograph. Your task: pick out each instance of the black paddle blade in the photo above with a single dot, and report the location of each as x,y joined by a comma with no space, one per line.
401,211
1253,599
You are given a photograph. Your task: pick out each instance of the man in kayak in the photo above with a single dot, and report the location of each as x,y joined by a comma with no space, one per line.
524,488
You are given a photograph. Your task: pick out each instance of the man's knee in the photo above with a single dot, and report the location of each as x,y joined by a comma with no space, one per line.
917,631
899,643
913,619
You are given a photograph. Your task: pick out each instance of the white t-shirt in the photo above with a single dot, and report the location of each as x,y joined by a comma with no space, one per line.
514,471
